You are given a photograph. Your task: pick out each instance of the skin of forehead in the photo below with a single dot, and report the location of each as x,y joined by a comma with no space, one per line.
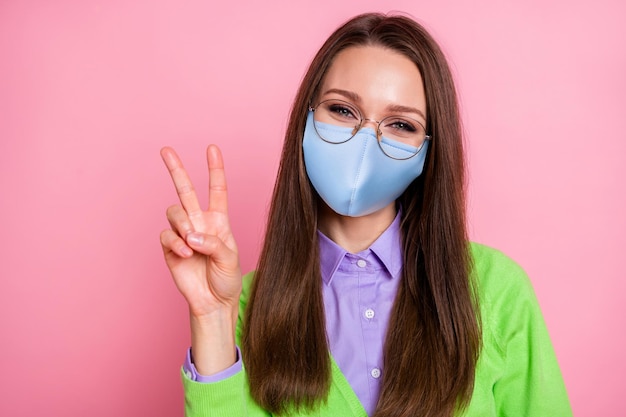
380,77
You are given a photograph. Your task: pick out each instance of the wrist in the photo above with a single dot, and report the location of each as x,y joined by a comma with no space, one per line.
216,316
213,341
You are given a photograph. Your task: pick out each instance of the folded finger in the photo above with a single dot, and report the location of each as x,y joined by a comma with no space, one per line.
172,242
179,220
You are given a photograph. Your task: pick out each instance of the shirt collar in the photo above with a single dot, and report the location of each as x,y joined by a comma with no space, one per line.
387,248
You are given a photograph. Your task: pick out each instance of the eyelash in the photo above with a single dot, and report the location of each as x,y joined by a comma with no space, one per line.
406,126
342,110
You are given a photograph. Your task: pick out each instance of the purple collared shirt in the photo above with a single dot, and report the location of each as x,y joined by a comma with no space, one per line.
359,291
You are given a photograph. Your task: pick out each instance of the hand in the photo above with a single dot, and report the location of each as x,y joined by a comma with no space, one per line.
201,253
200,249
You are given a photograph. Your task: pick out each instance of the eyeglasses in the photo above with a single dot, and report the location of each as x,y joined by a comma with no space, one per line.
399,137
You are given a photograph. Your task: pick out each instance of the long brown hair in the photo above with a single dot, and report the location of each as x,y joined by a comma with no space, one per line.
433,340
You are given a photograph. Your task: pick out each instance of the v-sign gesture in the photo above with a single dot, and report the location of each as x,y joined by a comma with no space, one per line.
202,256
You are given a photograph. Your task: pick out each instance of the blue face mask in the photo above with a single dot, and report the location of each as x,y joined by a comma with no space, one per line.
356,178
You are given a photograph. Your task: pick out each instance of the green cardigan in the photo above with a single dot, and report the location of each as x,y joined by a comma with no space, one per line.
517,373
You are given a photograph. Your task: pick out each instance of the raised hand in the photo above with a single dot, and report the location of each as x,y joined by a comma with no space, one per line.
202,256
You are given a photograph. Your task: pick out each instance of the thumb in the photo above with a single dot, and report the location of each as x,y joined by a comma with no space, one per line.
212,246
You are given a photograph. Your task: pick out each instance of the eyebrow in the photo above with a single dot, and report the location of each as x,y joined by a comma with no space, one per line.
396,108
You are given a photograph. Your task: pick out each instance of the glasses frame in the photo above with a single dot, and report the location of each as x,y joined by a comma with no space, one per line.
379,133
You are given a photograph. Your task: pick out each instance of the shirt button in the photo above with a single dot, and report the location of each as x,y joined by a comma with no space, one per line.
361,263
375,373
369,313
189,374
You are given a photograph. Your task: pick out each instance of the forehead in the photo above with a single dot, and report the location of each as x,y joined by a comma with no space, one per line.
380,76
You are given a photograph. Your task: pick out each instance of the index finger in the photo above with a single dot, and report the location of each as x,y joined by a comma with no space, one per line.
182,182
218,191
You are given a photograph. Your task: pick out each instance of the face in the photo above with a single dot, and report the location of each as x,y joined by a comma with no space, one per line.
379,81
354,178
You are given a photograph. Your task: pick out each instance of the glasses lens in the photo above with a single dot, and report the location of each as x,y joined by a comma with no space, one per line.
402,137
336,121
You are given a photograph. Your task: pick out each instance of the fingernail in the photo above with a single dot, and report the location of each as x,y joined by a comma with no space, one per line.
195,239
186,251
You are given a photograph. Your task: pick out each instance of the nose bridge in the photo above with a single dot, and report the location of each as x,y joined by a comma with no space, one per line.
375,125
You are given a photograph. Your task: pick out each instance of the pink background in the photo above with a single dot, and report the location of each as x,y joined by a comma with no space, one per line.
91,323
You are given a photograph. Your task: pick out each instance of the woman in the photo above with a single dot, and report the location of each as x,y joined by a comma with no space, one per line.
366,257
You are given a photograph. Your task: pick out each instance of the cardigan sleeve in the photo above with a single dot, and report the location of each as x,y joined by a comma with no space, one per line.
529,382
227,397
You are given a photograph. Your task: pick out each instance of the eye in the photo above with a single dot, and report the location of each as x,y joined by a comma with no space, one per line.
401,125
340,110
